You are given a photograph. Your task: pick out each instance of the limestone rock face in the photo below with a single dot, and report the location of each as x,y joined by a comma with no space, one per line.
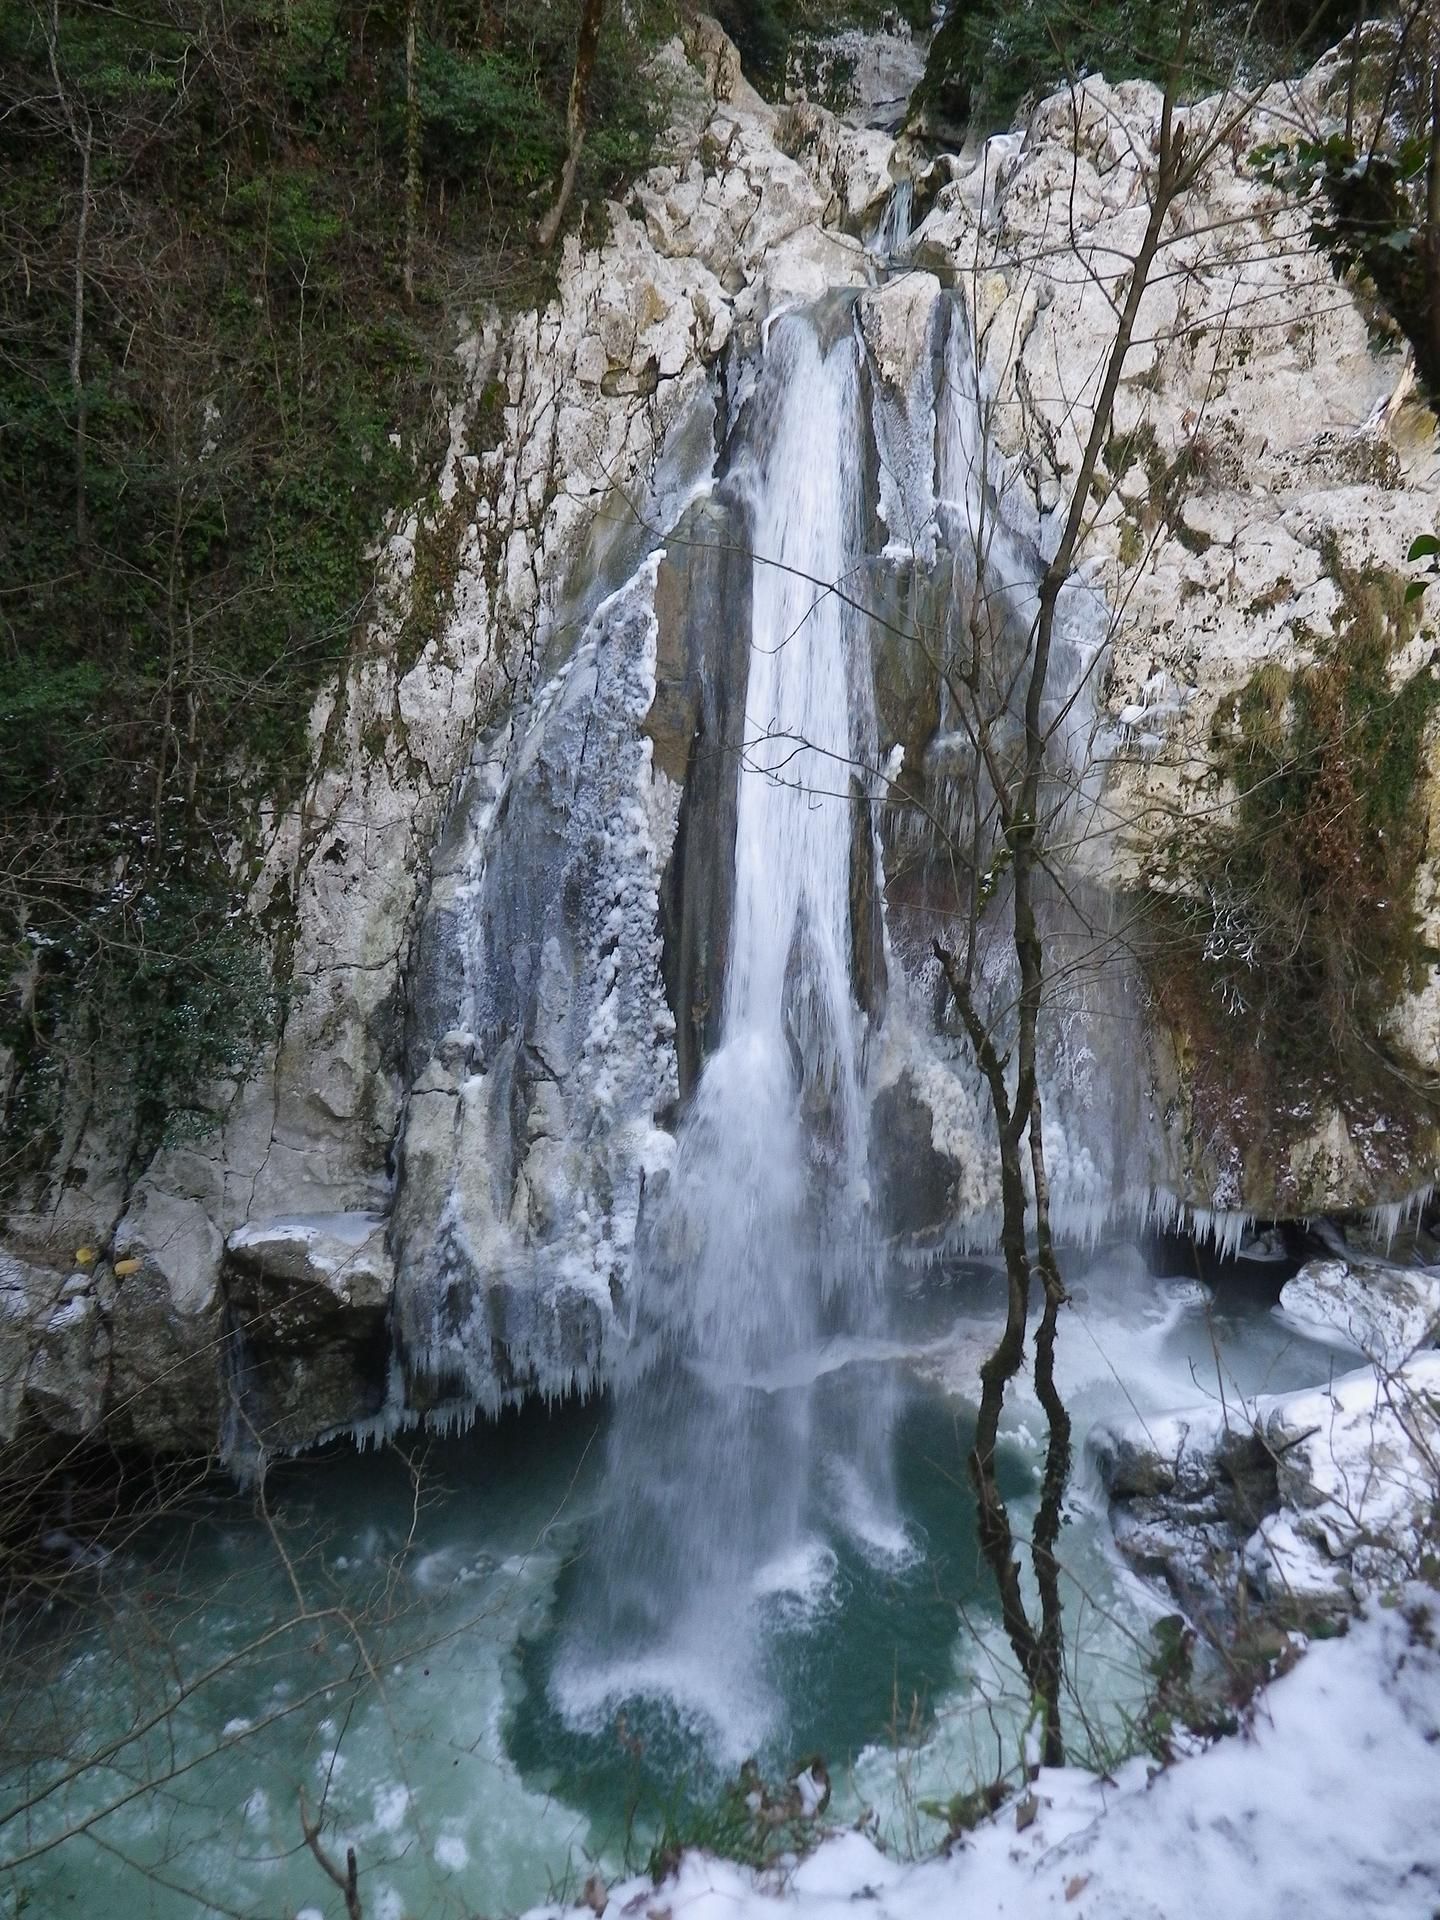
1263,455
466,926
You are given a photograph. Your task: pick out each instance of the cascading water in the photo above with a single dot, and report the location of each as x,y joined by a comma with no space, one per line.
756,1251
892,235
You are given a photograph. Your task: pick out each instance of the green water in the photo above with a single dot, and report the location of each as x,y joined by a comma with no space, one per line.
859,1653
377,1640
374,1639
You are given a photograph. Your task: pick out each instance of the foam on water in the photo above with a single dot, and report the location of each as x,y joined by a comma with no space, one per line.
803,1574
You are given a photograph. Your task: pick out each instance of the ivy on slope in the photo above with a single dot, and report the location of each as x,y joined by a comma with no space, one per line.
212,390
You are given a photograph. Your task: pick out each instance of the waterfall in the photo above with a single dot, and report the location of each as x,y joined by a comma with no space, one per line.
679,883
723,1449
892,236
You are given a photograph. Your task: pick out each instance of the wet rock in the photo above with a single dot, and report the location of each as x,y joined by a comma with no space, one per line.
31,1298
696,721
914,1181
167,1381
309,1302
68,1378
166,1324
578,434
867,923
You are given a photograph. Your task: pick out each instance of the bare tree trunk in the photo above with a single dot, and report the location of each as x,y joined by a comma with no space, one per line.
586,48
1050,1651
1040,1654
993,1518
1430,238
412,148
84,139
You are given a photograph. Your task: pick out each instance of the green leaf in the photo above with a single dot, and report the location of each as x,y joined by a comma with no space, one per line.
1414,590
1424,546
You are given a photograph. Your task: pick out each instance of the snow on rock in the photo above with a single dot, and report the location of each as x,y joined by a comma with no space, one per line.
1323,1806
1383,1312
1298,1502
342,1252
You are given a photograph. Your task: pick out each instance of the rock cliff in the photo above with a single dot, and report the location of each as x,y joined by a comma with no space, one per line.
500,903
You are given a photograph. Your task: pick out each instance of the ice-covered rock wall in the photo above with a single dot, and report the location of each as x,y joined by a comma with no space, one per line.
541,1037
575,950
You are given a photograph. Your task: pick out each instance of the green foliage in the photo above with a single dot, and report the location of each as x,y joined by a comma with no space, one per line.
1425,547
966,1810
1296,909
156,995
990,56
488,102
1367,212
183,555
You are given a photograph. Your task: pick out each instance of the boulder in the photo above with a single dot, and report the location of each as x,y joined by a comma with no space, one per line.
167,1322
339,1258
54,1349
68,1379
309,1301
1384,1312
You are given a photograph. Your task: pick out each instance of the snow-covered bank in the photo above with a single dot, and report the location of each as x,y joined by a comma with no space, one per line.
1323,1806
1299,1502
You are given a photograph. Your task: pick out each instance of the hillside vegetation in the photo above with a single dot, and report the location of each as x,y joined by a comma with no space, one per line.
235,241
